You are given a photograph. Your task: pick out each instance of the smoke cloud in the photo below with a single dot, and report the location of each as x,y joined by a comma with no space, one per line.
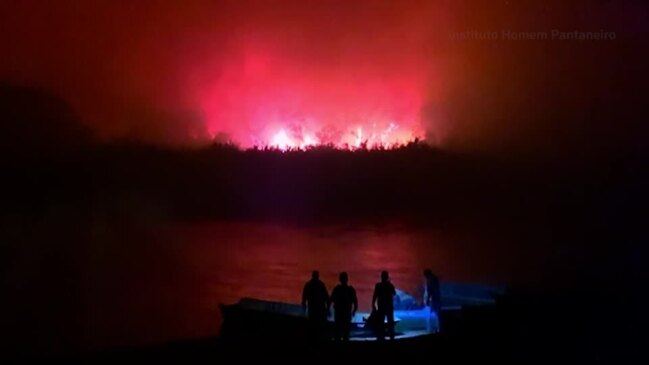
243,71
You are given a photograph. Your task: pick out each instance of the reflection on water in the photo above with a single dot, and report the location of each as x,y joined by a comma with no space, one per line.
172,288
137,282
232,261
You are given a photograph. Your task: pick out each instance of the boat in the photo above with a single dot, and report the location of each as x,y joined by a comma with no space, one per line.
258,318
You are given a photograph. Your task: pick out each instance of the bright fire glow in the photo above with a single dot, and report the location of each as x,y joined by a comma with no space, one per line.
388,137
281,141
271,95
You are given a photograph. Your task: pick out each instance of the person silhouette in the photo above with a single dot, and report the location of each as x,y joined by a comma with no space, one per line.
314,301
433,296
345,304
382,303
433,299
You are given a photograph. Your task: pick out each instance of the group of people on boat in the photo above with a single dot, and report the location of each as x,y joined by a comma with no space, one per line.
317,303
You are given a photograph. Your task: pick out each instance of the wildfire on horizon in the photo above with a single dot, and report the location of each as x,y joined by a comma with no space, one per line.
355,138
367,73
298,109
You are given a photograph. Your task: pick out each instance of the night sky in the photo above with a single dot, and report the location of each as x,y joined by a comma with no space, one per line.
242,71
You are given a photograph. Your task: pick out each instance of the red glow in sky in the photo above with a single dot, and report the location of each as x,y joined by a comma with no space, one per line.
299,78
270,99
285,73
295,73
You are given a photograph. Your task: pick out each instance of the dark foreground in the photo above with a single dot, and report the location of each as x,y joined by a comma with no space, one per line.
584,327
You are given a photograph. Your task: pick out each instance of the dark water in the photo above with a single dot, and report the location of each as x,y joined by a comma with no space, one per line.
144,282
173,289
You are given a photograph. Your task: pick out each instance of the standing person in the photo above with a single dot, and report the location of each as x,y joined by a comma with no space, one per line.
382,302
345,304
314,301
433,297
